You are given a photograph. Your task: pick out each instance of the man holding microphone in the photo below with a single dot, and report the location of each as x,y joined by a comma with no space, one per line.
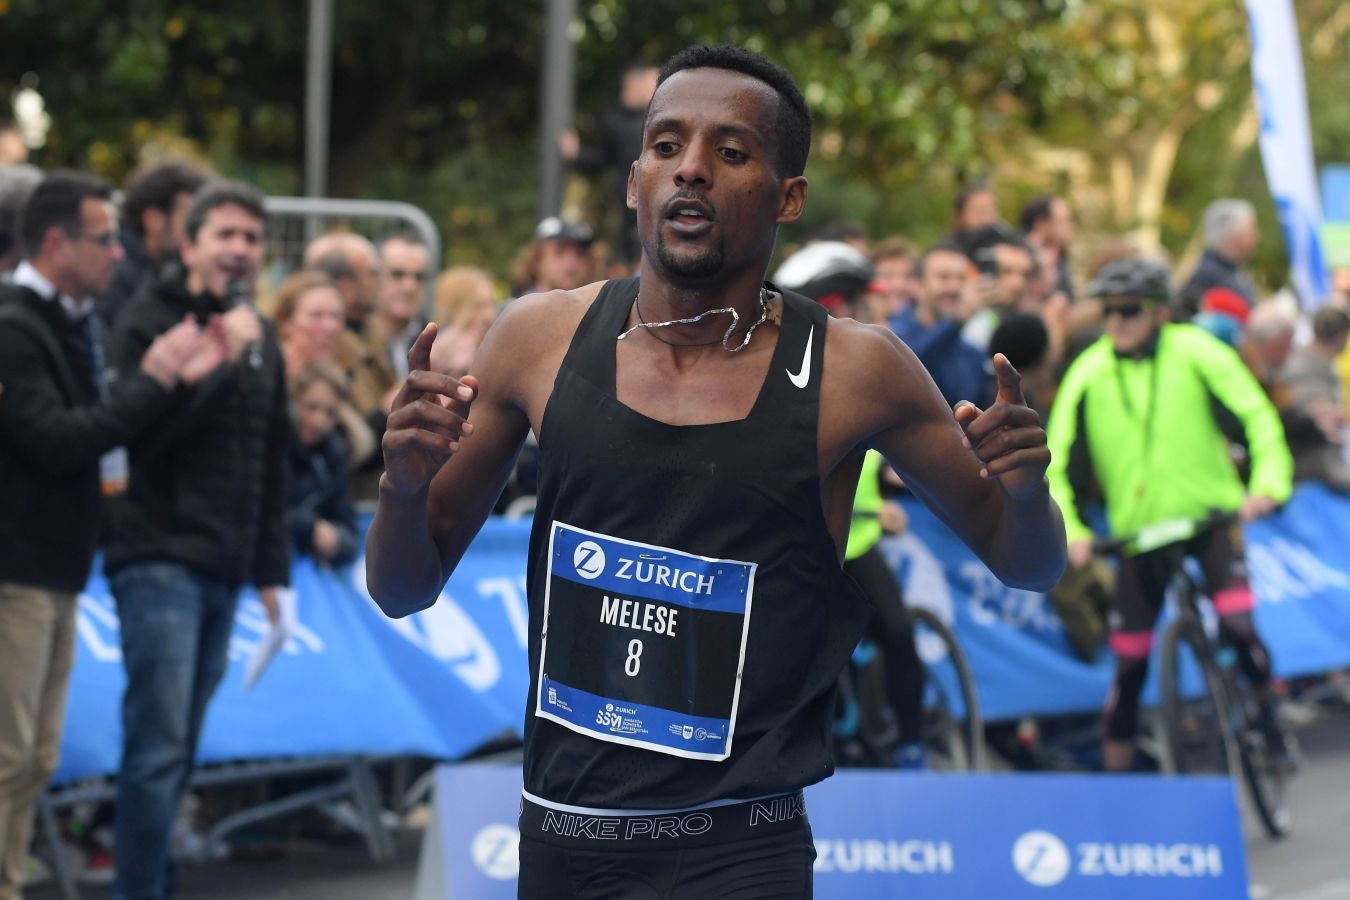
205,514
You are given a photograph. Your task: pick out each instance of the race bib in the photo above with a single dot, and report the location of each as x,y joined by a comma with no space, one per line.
643,645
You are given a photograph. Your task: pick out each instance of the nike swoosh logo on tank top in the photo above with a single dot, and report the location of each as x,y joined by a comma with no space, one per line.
800,379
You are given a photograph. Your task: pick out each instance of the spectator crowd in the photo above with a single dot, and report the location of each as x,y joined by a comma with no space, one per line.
164,403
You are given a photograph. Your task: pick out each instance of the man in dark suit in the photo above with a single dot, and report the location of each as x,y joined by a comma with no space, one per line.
62,423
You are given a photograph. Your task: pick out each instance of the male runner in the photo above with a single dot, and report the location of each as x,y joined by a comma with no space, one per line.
688,613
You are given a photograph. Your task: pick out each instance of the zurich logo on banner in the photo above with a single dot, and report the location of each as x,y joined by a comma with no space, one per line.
885,834
496,851
1041,858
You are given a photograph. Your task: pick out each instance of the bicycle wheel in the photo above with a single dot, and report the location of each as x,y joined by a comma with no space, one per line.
1260,770
954,735
1195,718
865,732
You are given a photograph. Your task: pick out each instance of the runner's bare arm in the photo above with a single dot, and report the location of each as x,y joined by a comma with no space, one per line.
439,488
993,493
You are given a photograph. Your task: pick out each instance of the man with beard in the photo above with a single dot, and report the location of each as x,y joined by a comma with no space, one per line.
156,203
699,457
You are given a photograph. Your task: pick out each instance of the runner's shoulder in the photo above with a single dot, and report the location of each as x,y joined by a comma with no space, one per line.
535,323
861,353
872,381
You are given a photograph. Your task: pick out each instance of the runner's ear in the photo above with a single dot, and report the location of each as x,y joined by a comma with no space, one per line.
793,202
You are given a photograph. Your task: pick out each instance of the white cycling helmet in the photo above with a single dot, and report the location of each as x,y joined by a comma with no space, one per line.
826,270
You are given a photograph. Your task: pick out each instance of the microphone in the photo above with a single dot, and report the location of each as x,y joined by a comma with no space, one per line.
237,294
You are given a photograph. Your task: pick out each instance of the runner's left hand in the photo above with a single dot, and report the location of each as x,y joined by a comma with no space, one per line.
1008,438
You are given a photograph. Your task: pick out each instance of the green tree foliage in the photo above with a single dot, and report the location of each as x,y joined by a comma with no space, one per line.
1140,110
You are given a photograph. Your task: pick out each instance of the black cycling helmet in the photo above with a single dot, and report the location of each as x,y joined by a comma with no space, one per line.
829,272
1134,276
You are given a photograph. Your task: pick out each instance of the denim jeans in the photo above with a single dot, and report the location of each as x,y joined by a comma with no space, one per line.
176,626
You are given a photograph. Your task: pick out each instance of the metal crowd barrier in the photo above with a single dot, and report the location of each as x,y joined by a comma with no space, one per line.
295,221
355,782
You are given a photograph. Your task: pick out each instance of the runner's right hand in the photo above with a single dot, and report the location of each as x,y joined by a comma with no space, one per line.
427,422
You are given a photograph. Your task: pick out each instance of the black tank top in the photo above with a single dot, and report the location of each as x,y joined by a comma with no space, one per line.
688,611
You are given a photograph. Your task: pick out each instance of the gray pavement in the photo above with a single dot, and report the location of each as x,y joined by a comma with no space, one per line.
1313,863
306,872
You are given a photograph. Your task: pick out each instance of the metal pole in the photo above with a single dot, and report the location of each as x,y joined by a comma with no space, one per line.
556,97
318,93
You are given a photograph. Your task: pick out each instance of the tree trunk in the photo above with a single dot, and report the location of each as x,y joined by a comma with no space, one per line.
1157,167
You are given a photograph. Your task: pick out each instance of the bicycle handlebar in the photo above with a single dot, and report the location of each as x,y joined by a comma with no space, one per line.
1161,534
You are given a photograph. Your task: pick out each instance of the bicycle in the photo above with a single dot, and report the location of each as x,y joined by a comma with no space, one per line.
866,732
1215,730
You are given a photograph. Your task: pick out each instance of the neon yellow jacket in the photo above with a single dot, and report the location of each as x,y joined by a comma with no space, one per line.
1150,432
866,529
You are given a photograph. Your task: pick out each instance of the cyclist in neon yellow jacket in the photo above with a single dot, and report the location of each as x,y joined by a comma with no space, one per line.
890,625
1143,422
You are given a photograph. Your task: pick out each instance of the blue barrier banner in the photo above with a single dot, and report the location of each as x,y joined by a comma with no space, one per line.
895,834
440,683
1299,561
446,680
1018,654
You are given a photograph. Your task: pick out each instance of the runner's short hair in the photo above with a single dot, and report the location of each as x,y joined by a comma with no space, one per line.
793,123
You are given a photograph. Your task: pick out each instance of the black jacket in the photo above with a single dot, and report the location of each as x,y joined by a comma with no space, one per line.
320,488
136,273
620,142
53,429
1213,271
208,480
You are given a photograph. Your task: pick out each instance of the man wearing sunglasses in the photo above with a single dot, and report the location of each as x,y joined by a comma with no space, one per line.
1144,420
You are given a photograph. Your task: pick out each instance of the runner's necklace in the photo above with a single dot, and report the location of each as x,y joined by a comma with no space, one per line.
735,320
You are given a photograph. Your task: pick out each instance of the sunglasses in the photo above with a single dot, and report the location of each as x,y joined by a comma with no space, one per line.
105,240
1124,310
